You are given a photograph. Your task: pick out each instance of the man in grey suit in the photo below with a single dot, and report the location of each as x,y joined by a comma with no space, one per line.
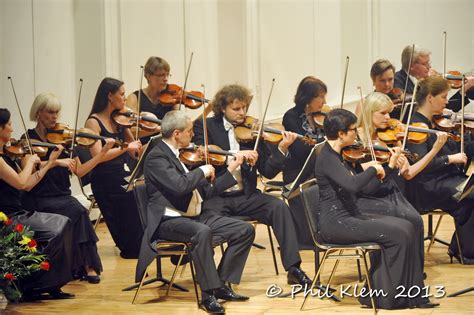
175,196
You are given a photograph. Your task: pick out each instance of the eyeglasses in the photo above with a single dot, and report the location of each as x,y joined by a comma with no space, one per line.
426,64
162,75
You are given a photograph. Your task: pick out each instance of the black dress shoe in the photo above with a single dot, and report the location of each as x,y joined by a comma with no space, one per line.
58,294
298,276
211,305
226,293
175,259
428,305
93,279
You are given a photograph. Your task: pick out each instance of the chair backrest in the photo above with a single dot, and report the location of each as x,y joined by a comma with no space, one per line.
309,194
141,198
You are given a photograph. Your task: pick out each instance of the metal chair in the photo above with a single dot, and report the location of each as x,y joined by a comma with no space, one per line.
164,248
309,192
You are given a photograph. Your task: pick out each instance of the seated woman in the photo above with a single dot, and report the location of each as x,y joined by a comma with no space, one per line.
436,184
52,231
341,222
116,204
53,193
387,198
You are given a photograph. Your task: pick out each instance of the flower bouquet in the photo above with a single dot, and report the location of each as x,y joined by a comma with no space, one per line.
19,257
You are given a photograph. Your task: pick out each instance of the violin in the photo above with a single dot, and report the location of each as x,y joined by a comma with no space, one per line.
452,121
128,119
195,155
173,94
396,95
63,134
272,132
318,117
358,152
19,148
417,132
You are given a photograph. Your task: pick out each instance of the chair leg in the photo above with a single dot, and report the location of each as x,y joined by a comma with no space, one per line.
273,249
175,271
358,267
458,242
191,266
364,253
97,221
334,269
316,276
434,233
140,286
222,249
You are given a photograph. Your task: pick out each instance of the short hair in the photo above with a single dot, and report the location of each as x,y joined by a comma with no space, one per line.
173,120
338,120
5,116
406,54
227,95
44,101
379,67
309,88
156,63
432,85
373,102
101,100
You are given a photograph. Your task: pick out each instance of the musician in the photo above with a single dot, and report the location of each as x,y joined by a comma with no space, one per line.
53,232
53,193
174,213
421,69
341,221
436,184
108,178
230,106
309,99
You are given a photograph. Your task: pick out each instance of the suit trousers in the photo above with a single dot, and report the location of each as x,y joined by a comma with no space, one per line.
266,209
203,232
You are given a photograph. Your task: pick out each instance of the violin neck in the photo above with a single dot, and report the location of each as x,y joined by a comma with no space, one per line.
221,152
421,130
151,119
196,98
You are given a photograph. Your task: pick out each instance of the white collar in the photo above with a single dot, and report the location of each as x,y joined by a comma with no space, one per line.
172,148
227,124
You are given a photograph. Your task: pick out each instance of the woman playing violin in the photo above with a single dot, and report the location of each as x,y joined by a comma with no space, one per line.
436,184
117,205
53,193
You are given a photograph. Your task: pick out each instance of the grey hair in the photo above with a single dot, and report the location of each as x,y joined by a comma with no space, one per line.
406,54
173,120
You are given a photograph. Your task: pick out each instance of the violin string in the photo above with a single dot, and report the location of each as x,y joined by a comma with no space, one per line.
344,82
406,83
139,102
71,154
181,101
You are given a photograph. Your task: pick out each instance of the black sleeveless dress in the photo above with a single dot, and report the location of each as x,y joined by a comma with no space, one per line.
53,195
116,204
52,232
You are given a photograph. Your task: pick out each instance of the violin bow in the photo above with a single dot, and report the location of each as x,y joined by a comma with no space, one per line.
445,37
139,104
462,111
75,121
366,127
260,129
344,83
406,83
27,137
405,136
181,101
204,127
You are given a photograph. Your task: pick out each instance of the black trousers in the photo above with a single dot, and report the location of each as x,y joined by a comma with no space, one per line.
202,232
53,233
265,209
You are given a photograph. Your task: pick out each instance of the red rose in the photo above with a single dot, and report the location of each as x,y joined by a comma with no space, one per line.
32,243
8,221
44,265
19,228
9,276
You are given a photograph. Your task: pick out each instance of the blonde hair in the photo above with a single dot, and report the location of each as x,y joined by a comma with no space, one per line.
373,102
44,101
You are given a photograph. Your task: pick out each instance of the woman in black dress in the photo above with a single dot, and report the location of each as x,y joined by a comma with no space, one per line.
52,231
341,222
108,178
53,193
436,184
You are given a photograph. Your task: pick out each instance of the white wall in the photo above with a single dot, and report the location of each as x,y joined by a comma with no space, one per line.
47,45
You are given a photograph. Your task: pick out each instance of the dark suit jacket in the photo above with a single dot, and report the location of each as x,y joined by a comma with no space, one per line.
270,159
168,185
455,102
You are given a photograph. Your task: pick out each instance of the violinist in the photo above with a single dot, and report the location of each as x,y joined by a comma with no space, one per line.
386,198
52,232
117,205
157,73
436,184
53,193
341,221
230,105
175,195
421,69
